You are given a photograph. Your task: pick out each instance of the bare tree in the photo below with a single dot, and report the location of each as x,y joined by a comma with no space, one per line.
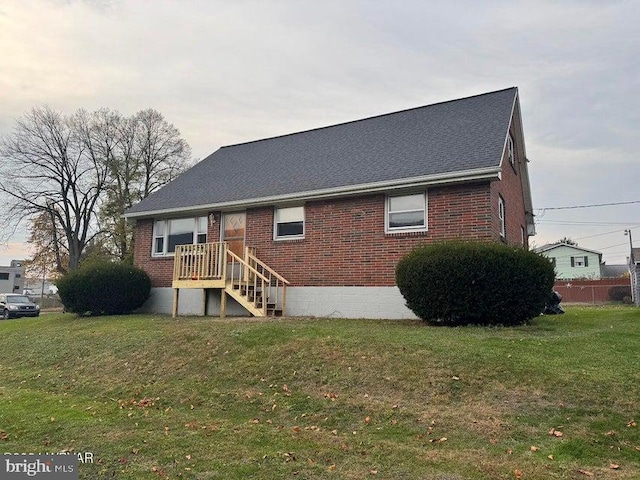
51,165
149,153
83,171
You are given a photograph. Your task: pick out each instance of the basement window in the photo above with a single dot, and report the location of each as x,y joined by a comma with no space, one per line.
288,223
406,213
167,234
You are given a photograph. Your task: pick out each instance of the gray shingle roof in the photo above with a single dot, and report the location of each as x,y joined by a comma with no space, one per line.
457,136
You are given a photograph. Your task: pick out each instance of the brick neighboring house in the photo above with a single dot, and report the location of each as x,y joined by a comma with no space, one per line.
333,209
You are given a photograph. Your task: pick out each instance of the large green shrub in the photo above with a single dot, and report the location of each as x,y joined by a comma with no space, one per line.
104,288
457,283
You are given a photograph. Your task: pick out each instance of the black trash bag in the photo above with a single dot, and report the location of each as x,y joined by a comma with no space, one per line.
552,307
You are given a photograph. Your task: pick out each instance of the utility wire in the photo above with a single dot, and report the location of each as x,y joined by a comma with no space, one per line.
573,207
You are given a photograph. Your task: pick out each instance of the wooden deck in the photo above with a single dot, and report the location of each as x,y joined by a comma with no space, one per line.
252,283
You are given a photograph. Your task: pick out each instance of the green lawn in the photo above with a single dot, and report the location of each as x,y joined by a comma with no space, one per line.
152,397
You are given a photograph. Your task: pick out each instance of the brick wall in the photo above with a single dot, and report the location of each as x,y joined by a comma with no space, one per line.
510,188
345,242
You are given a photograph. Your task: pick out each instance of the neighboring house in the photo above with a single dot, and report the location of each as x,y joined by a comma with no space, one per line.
315,222
572,262
614,271
12,277
634,271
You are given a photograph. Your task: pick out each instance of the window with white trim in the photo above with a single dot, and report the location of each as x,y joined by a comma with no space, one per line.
406,213
581,261
501,216
288,223
178,231
511,150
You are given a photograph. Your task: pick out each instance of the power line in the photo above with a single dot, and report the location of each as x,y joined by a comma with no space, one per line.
596,224
573,207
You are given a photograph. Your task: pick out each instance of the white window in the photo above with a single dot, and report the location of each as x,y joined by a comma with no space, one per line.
178,231
503,226
288,223
511,150
582,261
406,213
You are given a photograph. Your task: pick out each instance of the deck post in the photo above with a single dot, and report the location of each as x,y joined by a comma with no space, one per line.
284,300
205,301
223,303
176,295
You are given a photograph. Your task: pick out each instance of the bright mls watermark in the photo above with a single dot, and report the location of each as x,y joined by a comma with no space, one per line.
38,466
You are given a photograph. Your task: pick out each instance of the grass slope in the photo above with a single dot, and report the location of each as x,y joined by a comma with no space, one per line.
152,397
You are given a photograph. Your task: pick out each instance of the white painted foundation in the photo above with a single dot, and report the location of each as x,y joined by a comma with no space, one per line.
336,302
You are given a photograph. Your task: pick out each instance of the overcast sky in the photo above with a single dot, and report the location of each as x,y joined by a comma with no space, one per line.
225,72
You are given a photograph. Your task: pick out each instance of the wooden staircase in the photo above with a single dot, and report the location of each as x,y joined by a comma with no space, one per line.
252,299
249,281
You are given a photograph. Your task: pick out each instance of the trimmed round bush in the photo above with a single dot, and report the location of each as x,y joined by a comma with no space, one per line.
460,283
104,289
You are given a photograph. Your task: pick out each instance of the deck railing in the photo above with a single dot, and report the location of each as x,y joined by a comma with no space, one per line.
276,284
260,284
202,261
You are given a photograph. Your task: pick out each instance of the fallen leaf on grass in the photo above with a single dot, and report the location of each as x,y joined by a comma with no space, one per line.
4,435
555,433
367,420
517,473
586,472
296,429
614,466
332,467
438,440
145,402
159,472
632,424
373,472
534,448
331,396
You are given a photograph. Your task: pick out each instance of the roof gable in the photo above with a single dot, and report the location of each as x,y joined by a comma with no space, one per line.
552,246
457,139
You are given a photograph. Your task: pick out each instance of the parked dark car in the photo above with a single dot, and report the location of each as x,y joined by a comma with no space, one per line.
14,305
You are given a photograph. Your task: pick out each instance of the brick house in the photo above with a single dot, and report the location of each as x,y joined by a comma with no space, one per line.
316,221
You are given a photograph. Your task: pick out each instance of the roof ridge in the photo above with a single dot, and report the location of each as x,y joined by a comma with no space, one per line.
368,118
